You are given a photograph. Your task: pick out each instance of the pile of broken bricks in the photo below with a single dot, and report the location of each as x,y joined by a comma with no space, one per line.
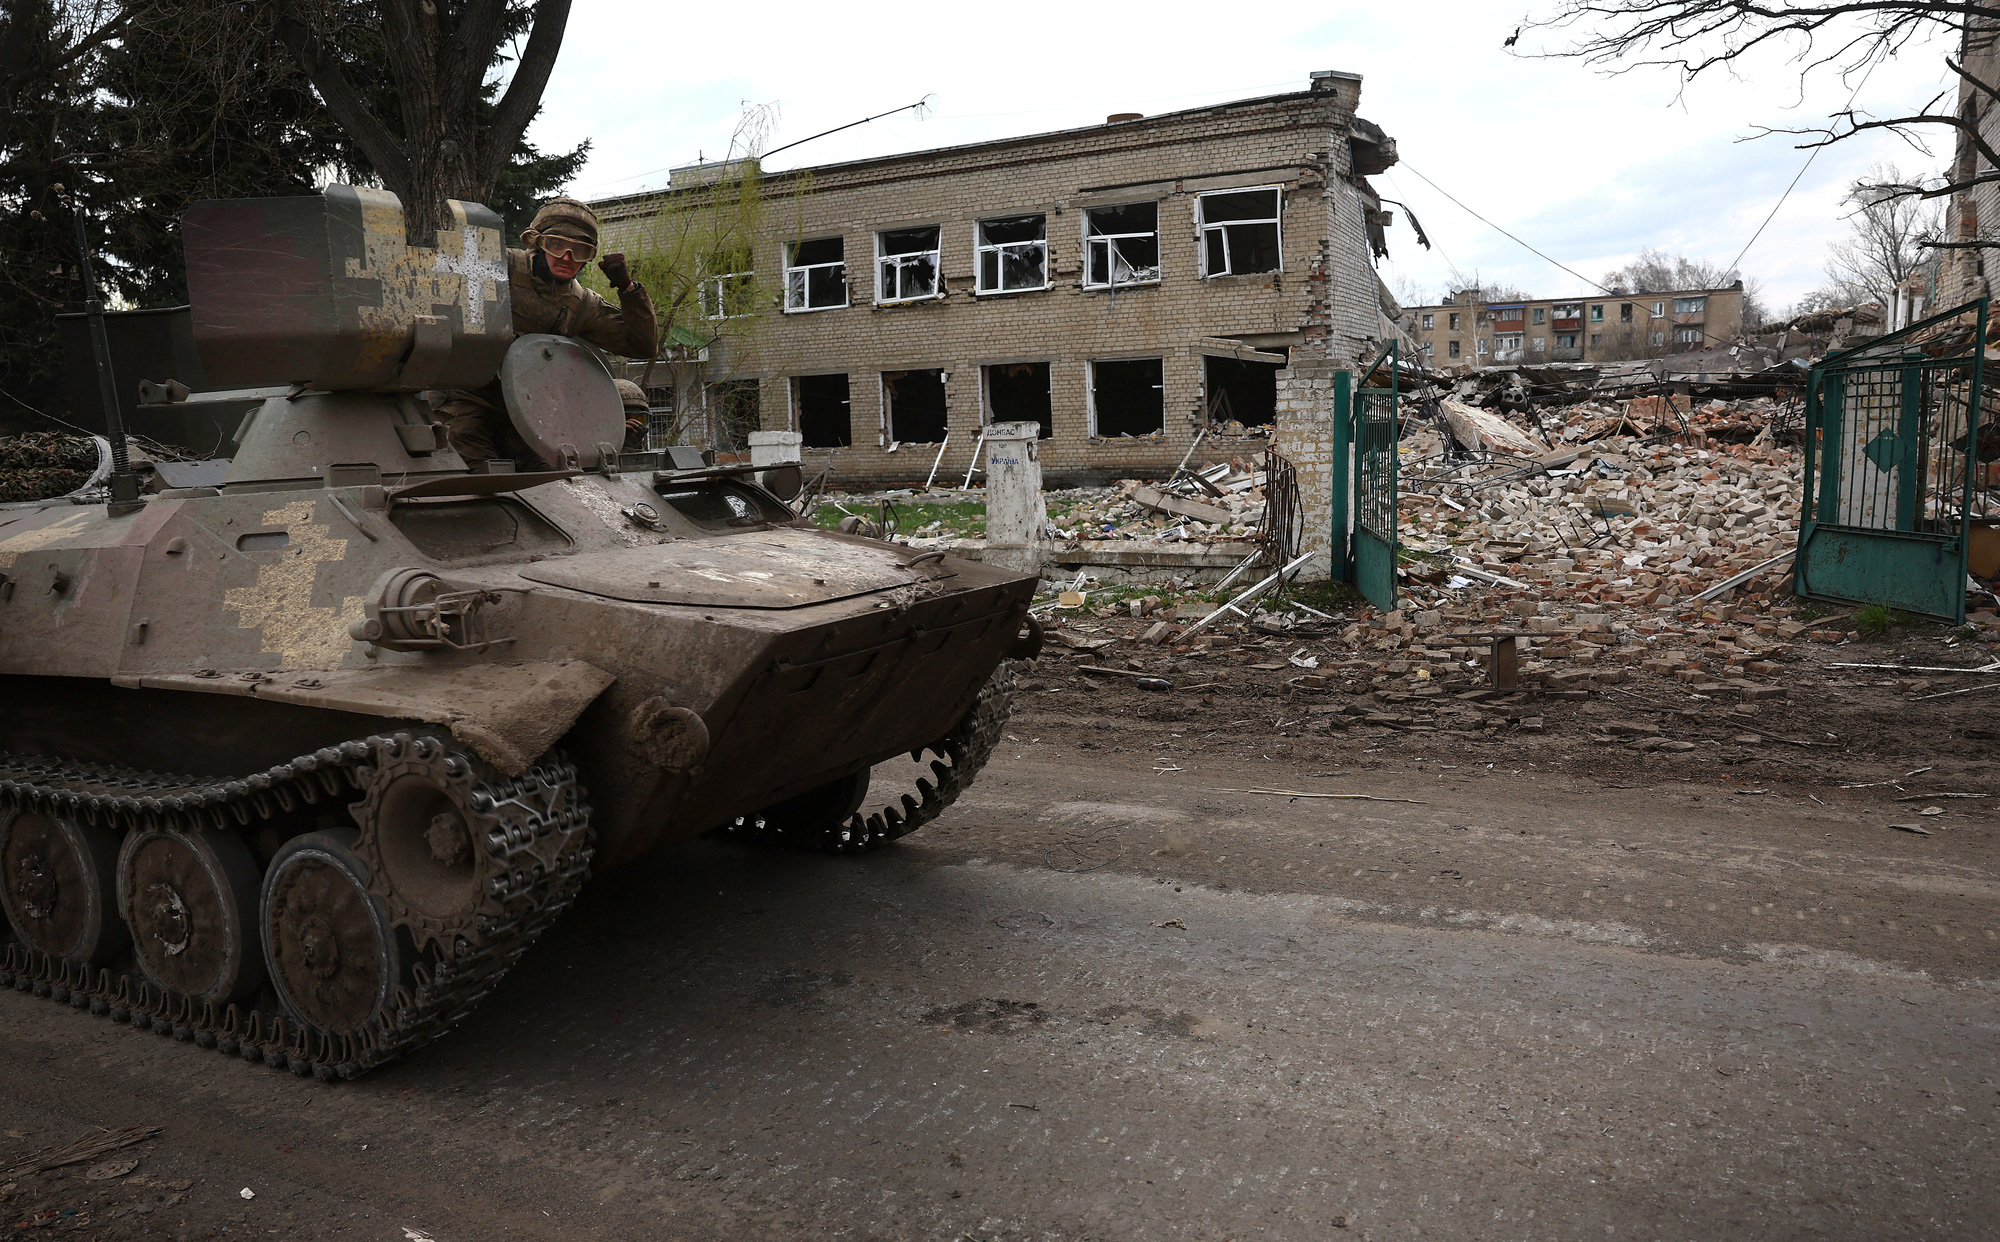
1625,520
1219,503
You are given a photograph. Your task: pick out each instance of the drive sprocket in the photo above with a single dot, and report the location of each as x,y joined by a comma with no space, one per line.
963,752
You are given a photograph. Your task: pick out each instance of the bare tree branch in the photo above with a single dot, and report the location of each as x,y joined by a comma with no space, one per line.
524,92
343,101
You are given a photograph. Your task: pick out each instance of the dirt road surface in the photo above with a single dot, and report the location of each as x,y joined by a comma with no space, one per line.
1105,997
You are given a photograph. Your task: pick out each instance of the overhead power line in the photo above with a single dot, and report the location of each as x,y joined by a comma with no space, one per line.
1504,233
1737,266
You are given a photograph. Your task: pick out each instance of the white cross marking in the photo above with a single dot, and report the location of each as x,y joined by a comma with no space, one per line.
477,272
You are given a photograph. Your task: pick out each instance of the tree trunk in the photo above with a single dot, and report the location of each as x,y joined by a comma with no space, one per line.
439,72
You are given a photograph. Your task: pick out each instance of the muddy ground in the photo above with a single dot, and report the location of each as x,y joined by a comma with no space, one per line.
1546,986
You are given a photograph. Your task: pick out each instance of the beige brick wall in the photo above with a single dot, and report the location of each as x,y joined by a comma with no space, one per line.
1303,435
1322,303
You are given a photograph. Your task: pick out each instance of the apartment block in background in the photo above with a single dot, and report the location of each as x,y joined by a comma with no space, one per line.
1469,329
1123,285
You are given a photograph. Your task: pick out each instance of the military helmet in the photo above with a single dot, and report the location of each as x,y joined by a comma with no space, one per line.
563,217
633,395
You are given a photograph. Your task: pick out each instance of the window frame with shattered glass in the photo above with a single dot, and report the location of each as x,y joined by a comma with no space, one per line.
999,260
1106,254
1221,240
728,294
802,280
903,262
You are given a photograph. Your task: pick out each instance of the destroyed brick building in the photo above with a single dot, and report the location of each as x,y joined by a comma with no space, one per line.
1124,285
1472,329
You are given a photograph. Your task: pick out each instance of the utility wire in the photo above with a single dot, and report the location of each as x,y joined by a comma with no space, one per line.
1813,155
1503,232
917,106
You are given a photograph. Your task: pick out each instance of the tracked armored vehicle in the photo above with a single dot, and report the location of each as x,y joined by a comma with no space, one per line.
301,750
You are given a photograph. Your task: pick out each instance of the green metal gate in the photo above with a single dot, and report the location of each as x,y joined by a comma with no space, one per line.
1374,440
1889,469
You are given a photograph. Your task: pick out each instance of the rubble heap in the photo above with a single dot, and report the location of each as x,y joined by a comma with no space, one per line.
1224,501
1623,507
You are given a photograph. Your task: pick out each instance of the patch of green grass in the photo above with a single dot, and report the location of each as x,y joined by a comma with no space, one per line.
1326,596
1876,620
1872,621
961,520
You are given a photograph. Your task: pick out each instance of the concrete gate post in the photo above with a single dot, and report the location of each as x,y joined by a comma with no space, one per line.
1016,514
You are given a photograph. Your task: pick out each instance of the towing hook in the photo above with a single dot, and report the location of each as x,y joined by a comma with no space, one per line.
919,559
1028,645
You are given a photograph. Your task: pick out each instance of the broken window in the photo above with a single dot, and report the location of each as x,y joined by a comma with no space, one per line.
1568,310
1128,398
1541,344
1689,306
1013,254
816,274
1659,339
727,285
1452,321
1430,321
1242,391
906,264
1507,348
824,411
1565,340
1430,348
1018,392
1239,232
1687,336
1541,314
913,406
1451,349
1124,245
1659,309
1597,312
1484,344
1624,312
1596,339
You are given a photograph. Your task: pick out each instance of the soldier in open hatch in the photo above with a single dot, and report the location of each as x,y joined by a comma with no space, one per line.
638,412
547,298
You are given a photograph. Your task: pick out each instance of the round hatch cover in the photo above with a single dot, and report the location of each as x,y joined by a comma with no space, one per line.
561,398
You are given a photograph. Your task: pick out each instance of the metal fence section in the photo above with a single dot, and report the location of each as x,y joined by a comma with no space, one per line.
1891,483
1284,510
1374,439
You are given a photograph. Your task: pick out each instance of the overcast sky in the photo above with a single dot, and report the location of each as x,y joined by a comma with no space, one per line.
1588,168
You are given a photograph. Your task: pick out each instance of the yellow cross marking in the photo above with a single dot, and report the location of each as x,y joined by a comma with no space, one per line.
280,604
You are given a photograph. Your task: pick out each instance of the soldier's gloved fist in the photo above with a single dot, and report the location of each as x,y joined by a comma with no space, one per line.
613,267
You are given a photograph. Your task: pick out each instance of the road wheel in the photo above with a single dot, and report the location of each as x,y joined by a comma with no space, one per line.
59,886
190,900
333,957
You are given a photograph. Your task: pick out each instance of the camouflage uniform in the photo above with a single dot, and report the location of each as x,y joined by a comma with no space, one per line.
477,421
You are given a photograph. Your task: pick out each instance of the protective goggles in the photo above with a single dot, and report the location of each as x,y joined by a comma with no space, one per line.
568,248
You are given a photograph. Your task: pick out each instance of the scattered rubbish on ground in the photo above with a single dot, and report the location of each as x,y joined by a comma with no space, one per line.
89,1147
1298,793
